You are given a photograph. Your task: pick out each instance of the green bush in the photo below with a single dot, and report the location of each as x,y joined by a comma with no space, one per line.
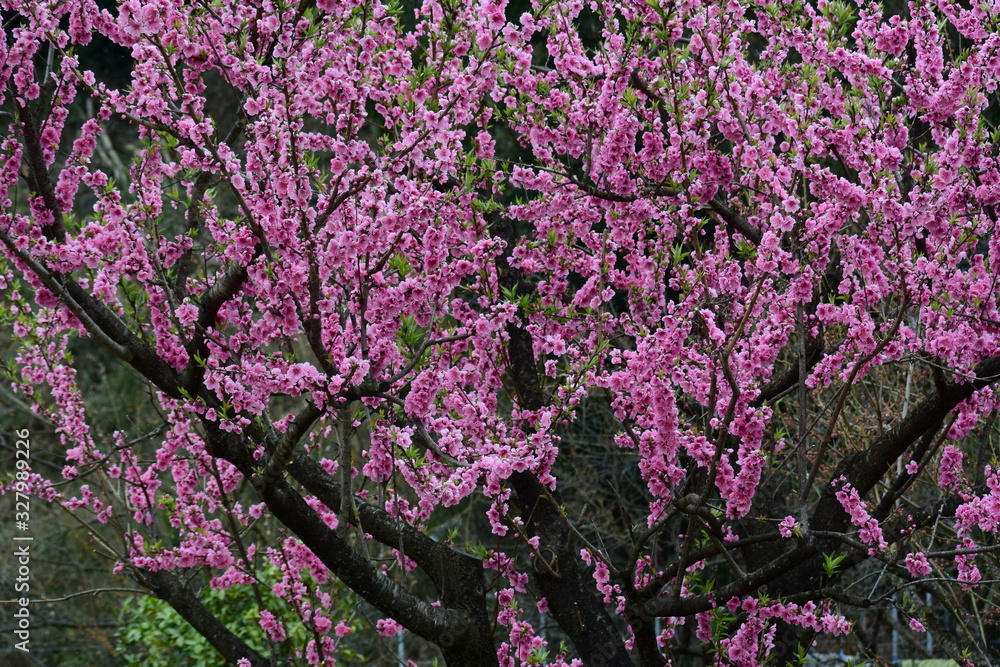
154,635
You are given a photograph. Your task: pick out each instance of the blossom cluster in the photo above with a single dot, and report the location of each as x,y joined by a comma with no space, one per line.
442,235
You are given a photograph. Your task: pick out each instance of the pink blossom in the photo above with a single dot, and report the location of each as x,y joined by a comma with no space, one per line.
950,471
450,254
272,626
388,627
788,526
870,531
917,564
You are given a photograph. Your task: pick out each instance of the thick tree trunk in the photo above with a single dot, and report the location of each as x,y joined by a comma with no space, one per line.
562,579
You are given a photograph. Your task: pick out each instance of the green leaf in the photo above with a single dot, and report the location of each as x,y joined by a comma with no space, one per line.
831,564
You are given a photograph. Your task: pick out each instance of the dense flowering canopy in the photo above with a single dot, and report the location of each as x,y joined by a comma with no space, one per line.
379,265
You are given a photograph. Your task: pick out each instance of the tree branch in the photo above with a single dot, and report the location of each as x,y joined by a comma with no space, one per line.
442,625
674,606
168,586
570,593
39,174
282,452
863,470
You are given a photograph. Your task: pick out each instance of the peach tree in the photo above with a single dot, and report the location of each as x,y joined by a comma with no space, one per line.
375,268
